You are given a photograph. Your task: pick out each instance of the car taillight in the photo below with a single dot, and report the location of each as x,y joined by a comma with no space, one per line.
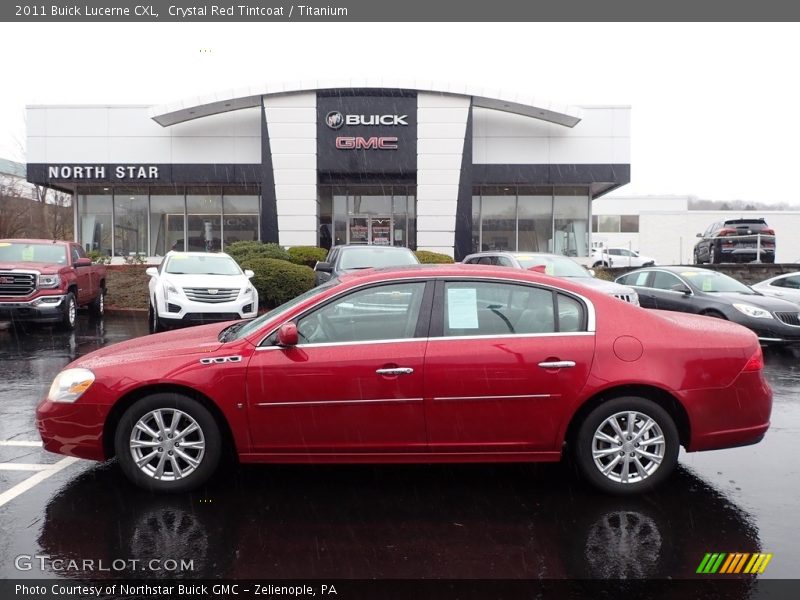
726,231
756,362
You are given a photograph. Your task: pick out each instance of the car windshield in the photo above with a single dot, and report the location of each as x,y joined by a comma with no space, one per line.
184,264
370,256
711,281
559,266
42,253
251,326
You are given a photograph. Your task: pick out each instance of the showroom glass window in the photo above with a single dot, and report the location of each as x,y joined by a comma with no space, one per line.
385,312
167,219
498,218
571,221
534,218
203,219
130,222
95,218
240,208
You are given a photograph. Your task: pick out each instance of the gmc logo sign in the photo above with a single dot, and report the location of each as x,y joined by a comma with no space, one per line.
6,280
371,143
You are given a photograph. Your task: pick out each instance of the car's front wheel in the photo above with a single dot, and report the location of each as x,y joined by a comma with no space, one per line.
155,325
627,445
168,443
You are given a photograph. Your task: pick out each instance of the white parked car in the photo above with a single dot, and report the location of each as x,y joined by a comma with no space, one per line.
786,286
620,257
190,288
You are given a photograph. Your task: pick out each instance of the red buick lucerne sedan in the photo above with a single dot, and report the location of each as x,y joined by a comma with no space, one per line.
456,363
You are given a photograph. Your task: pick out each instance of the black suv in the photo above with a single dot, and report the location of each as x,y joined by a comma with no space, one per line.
342,259
735,240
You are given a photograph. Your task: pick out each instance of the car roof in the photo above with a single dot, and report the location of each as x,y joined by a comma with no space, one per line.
514,254
195,253
34,241
464,270
371,246
673,269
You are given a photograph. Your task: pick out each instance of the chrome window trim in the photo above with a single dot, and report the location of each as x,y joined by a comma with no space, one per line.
591,322
319,402
647,287
435,339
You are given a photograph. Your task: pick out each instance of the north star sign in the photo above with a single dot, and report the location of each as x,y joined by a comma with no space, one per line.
101,172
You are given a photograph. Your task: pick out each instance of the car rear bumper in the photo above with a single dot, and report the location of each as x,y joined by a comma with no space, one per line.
44,309
737,415
73,429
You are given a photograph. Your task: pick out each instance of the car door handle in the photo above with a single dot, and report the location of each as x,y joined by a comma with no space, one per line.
396,371
557,364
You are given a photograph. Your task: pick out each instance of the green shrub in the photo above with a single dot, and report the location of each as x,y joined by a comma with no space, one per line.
427,257
307,255
98,258
241,251
278,280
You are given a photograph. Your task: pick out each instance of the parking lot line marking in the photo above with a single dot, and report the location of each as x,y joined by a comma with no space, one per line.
36,479
22,467
19,443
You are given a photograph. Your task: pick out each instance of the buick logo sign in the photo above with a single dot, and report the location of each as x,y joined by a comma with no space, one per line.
334,119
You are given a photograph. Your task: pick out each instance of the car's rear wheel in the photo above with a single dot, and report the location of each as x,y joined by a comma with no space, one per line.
168,443
627,445
98,305
713,255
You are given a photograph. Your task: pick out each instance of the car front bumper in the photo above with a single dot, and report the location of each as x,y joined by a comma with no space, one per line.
74,429
44,309
181,311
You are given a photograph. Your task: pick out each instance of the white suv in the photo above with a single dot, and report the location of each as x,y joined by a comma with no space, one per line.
620,257
190,288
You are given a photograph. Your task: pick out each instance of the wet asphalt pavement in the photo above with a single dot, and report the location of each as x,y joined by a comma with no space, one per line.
485,521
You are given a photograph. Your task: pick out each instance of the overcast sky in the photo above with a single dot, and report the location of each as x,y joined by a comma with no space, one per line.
714,105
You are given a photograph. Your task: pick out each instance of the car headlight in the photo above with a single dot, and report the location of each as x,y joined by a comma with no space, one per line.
753,311
169,289
248,291
70,384
48,281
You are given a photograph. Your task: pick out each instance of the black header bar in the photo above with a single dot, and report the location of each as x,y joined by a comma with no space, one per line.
337,11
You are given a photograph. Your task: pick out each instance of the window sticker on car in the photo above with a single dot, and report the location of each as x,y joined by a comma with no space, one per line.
462,308
707,285
27,253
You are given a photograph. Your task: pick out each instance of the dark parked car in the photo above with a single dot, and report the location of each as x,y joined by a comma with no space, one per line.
347,258
735,240
706,292
445,363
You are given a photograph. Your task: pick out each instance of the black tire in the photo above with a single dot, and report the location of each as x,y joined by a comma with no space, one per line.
713,255
189,411
597,420
98,306
154,323
697,260
69,316
715,314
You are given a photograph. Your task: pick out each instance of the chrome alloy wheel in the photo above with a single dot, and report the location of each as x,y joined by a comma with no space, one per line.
167,444
628,447
72,312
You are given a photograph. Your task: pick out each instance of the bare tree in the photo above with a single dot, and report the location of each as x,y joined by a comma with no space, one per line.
15,211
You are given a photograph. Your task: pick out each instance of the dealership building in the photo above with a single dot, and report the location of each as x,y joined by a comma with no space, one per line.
435,167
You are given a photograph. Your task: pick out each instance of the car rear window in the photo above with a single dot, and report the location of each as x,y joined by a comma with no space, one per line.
372,257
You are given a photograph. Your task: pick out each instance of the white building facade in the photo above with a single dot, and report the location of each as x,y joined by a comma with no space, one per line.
664,228
441,168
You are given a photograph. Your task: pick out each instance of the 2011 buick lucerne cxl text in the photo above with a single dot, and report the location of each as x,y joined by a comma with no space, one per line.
454,363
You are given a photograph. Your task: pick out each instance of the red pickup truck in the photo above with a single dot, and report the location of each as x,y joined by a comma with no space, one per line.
44,281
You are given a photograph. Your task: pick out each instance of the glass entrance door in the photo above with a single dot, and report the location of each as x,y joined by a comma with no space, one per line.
375,230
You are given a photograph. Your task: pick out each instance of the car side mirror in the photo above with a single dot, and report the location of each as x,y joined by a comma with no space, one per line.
287,335
679,287
249,273
592,272
699,235
83,262
151,271
325,267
